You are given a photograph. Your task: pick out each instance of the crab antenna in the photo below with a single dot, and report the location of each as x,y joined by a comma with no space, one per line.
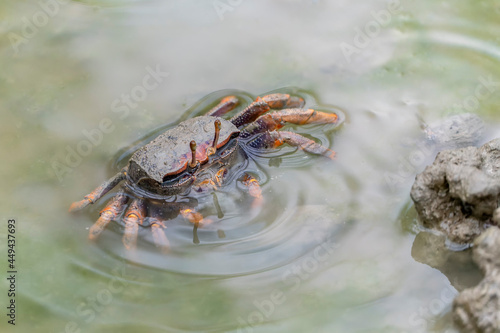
217,131
192,145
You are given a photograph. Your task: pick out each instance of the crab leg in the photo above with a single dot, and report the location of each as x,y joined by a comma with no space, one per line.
264,104
281,101
277,119
113,209
214,182
227,104
251,112
99,192
275,139
253,189
192,215
133,217
159,237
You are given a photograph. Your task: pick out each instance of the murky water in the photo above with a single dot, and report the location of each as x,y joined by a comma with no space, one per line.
331,249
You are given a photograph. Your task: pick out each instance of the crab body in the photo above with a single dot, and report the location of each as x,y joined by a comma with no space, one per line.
162,166
196,154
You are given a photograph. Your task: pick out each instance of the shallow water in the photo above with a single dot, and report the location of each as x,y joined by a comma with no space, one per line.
331,248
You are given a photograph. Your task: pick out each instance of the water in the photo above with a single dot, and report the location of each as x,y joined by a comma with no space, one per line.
331,250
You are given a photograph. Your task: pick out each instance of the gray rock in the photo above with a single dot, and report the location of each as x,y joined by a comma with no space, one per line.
459,193
459,197
478,309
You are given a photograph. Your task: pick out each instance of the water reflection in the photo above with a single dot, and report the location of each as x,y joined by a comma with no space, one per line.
457,266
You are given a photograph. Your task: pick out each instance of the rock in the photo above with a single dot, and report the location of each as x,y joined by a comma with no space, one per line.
458,197
478,309
496,216
459,193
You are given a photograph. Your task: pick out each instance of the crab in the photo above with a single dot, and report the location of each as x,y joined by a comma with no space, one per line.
196,156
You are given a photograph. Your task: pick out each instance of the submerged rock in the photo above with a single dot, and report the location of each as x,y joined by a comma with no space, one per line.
459,193
457,131
478,309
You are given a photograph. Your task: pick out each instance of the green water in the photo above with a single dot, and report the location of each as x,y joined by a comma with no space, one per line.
331,249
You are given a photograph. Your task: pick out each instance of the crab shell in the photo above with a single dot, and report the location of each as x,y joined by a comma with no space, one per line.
162,166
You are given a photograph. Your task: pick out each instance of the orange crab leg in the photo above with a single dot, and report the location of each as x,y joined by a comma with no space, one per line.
226,104
133,217
205,185
219,176
264,104
251,112
99,192
275,139
192,215
281,101
277,119
253,189
302,142
304,116
161,241
213,183
113,209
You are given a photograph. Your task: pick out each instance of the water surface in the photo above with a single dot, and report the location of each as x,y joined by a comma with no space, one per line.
330,250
